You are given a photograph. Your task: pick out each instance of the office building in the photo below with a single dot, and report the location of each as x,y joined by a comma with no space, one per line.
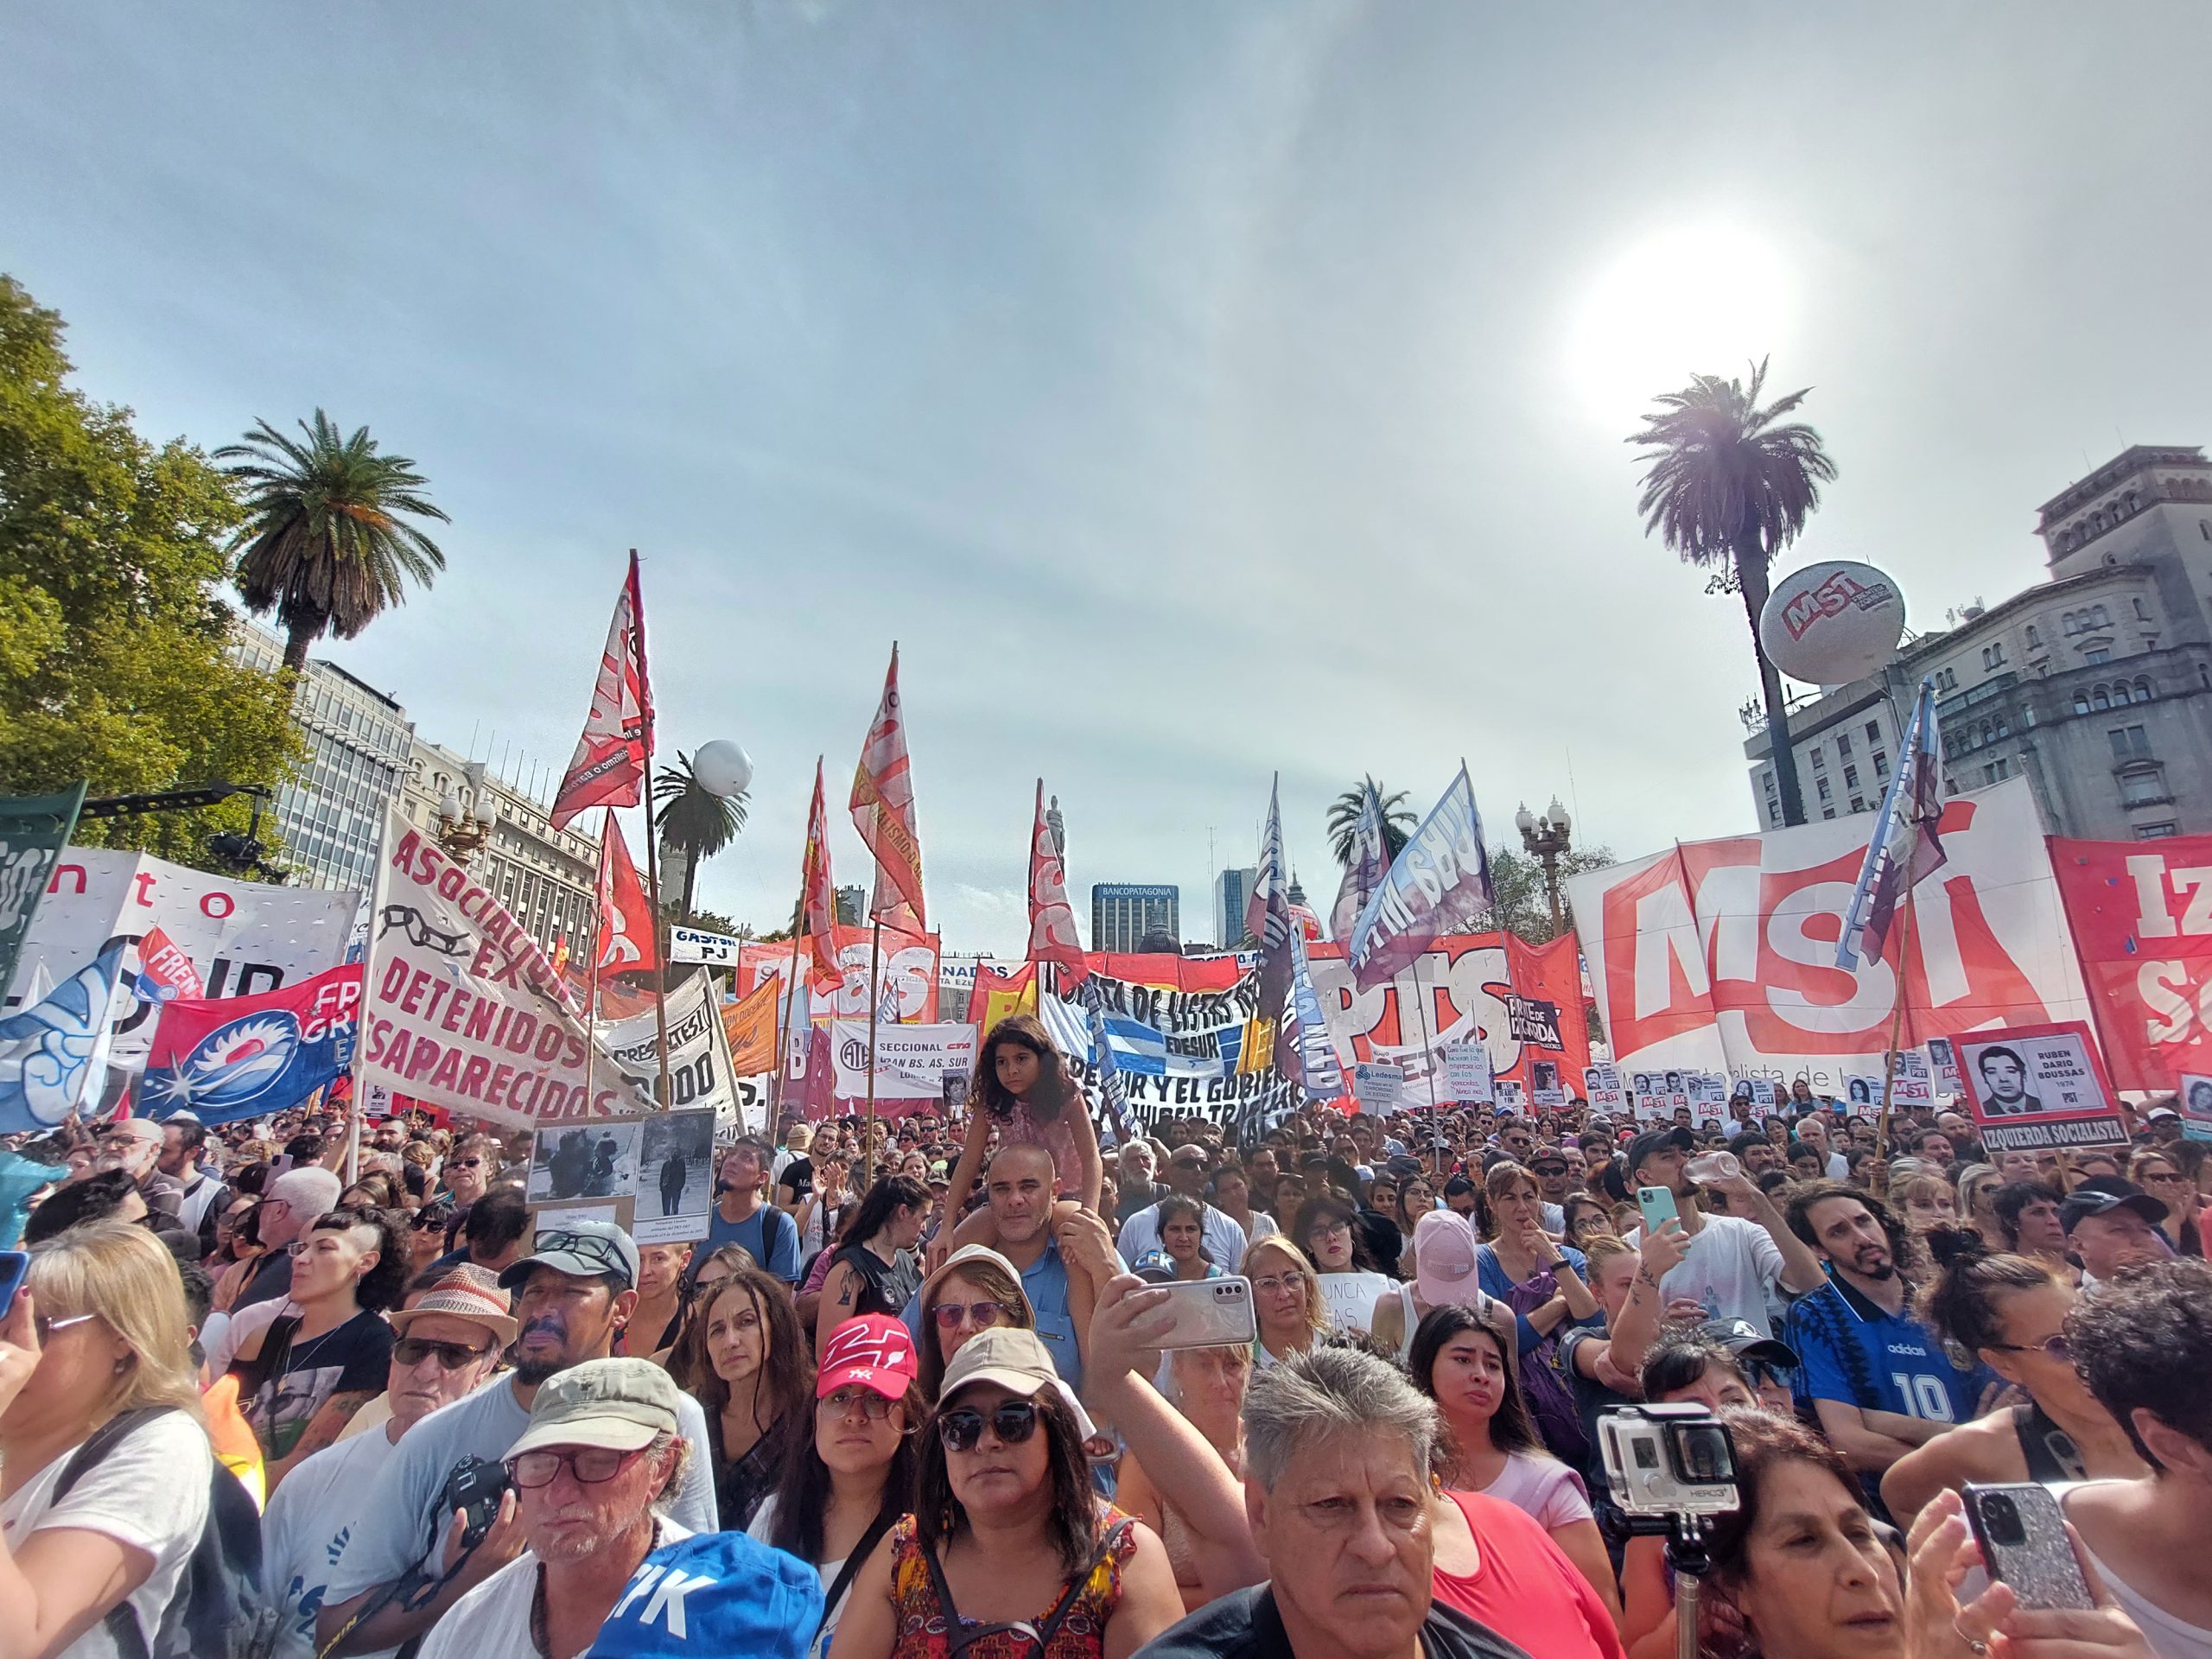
2095,684
1232,891
547,878
1122,914
331,815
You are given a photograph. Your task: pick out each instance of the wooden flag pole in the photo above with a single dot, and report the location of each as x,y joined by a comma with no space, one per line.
652,878
784,1014
867,1151
1428,1038
1896,1022
599,923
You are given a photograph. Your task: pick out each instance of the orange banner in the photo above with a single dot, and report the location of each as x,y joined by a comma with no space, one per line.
750,1023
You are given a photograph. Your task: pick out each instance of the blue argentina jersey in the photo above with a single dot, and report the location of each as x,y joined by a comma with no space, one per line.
1860,1354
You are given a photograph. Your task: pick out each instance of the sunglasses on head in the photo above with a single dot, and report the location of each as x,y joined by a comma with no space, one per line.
589,1246
1012,1423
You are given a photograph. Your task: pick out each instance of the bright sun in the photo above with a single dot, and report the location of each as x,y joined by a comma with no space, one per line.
1700,299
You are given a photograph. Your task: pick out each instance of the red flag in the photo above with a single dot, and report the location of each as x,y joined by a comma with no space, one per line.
165,973
625,930
1052,922
609,768
817,896
883,811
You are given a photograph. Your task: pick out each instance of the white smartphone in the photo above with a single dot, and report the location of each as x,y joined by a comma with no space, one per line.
1209,1312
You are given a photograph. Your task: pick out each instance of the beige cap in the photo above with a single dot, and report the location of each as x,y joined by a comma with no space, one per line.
619,1404
1014,1359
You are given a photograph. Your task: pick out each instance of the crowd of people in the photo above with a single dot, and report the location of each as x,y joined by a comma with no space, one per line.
909,1397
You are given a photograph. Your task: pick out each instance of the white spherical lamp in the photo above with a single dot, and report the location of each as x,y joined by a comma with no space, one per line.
722,768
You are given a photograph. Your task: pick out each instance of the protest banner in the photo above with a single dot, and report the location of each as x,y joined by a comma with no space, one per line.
1720,955
1508,1094
461,1007
696,945
909,967
1377,1085
53,1054
1601,1087
34,830
1438,883
2033,1087
676,1178
1943,1067
577,1161
2194,1097
2140,913
1544,1088
749,1024
1532,1022
1467,1079
701,1072
243,1056
244,937
910,1062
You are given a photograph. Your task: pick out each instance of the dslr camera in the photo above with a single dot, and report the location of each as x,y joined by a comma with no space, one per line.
1668,1461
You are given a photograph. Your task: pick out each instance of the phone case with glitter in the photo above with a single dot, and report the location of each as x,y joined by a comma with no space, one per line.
2022,1532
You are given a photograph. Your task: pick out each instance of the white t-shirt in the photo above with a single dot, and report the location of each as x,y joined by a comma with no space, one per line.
304,1528
1544,1488
493,1620
149,1492
763,1519
2170,1637
1730,1266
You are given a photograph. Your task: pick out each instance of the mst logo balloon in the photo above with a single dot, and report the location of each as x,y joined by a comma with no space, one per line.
1832,622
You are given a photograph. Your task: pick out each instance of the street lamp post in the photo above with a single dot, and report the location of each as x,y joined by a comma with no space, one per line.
464,825
1546,838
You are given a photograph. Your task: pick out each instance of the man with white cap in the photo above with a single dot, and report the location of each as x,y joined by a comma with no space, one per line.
589,1473
575,1292
451,1333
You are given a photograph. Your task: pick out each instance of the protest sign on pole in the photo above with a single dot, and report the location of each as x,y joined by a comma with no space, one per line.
696,945
911,1061
1377,1085
2194,1098
2038,1088
1467,1075
33,830
462,1009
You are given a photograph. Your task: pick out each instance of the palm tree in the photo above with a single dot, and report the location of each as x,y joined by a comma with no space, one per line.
1727,489
326,547
689,818
1343,819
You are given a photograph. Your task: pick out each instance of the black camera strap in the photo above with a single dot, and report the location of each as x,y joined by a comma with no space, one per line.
411,1590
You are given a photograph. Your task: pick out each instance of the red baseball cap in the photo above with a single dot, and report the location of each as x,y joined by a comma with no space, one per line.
874,1349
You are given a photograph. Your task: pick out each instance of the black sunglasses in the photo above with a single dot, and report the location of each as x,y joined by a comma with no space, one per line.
1013,1423
411,1351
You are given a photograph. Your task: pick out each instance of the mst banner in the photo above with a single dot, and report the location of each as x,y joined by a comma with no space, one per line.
241,937
2141,914
462,1008
1719,956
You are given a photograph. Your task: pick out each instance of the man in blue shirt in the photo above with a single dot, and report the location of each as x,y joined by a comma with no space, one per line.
742,1216
1877,1377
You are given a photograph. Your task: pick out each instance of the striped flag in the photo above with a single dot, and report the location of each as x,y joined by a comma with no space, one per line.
1116,1111
1267,912
883,811
1370,857
1304,1052
616,750
1905,847
817,893
1051,919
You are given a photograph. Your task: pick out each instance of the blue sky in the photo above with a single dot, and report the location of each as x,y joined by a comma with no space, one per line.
1193,390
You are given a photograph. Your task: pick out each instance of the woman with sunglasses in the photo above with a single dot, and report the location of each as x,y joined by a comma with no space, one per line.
759,1383
1286,1305
1978,1184
1328,1227
2157,1175
976,1290
1009,1553
2009,1311
98,1330
847,1482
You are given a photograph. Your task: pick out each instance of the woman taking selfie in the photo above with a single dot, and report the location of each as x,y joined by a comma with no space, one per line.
2009,1313
1006,1528
758,1388
1491,1444
848,1482
99,1331
1285,1300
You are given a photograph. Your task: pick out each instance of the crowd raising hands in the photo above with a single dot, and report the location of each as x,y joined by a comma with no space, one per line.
977,1384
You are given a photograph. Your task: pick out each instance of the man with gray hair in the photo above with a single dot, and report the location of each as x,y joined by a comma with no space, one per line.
1338,1448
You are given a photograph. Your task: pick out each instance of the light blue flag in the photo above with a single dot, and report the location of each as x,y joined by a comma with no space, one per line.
54,1052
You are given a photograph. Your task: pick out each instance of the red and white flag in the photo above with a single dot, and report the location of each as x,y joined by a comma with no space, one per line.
1052,920
609,766
625,925
883,811
817,895
165,973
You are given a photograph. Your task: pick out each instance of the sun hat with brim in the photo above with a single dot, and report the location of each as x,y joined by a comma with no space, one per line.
874,1350
1015,1360
1445,1264
966,1255
2101,1194
621,1405
468,1293
583,1249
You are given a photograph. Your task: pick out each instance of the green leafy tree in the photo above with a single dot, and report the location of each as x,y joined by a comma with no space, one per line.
1343,819
1523,905
113,633
692,819
1729,486
325,544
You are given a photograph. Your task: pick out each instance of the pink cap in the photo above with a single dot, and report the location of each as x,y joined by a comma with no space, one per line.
874,1350
1444,1260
